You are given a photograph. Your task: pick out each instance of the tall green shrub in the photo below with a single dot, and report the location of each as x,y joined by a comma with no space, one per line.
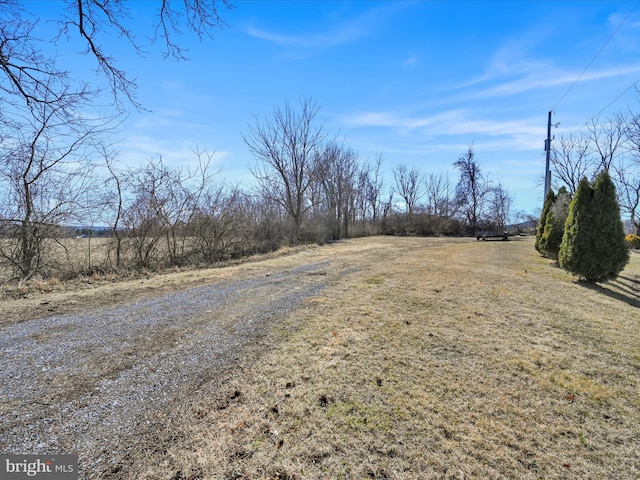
593,245
554,225
548,202
614,247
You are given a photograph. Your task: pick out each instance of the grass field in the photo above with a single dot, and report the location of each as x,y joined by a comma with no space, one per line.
435,359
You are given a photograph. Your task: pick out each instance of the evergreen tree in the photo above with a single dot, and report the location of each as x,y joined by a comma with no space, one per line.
578,238
593,244
548,202
615,250
554,226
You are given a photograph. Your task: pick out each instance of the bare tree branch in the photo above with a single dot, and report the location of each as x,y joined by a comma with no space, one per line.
409,186
287,146
571,160
472,189
607,139
31,75
47,164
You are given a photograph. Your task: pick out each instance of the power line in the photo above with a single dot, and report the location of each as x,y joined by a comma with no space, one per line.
609,104
597,54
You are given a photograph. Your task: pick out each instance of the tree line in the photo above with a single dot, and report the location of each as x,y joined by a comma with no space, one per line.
309,187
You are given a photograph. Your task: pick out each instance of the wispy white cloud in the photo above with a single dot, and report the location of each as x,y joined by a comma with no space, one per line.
141,147
396,120
452,122
626,38
338,33
520,134
537,80
411,61
511,59
160,118
511,70
328,39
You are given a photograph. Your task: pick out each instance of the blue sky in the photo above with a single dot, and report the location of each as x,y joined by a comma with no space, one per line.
417,81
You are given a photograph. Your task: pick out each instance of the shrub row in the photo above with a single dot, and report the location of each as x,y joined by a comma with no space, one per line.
585,234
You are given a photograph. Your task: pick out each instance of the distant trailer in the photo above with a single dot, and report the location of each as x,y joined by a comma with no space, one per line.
485,236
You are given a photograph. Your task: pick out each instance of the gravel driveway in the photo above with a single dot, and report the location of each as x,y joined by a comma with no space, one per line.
87,383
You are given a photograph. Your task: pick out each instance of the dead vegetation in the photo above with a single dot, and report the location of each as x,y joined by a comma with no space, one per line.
435,358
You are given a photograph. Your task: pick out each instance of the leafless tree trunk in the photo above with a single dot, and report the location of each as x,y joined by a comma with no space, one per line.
629,194
571,161
628,174
46,157
115,202
472,189
500,203
337,169
287,147
440,195
606,139
409,186
372,185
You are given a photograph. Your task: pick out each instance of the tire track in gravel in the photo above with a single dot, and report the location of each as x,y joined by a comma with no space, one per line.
84,383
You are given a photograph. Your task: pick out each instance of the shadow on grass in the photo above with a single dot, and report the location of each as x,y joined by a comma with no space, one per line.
627,293
629,279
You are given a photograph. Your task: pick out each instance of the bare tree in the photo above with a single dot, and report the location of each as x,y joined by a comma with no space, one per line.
525,221
217,223
372,184
46,159
28,73
440,195
500,202
287,148
628,183
571,161
166,199
267,225
607,139
33,76
337,169
409,186
114,200
471,190
628,174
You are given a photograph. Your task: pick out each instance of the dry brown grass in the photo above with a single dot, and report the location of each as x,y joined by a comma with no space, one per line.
435,358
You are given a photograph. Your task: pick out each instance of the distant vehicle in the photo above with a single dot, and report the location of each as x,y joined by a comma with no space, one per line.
492,236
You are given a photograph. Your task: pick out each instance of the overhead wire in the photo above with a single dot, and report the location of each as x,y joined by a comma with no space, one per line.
609,104
587,68
596,56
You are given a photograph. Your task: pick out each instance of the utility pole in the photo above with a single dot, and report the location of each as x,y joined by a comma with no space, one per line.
547,148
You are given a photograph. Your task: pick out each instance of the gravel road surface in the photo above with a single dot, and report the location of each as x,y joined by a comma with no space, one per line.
88,383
